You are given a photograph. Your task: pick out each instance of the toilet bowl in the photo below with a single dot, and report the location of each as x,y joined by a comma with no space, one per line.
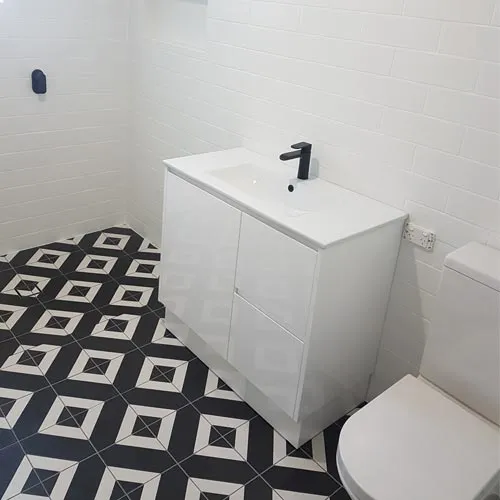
414,443
437,437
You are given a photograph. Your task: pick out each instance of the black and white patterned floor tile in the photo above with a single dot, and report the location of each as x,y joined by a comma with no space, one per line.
98,400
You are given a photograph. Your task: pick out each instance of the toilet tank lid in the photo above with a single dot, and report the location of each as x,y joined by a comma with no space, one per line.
479,262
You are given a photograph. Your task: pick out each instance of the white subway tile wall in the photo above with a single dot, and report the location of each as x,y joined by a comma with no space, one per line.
399,97
62,155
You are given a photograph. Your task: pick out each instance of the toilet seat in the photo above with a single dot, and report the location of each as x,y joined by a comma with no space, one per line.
414,443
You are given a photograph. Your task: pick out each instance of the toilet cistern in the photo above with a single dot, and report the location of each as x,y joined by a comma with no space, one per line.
304,153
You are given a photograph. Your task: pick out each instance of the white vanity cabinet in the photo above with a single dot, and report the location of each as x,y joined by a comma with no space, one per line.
199,260
286,308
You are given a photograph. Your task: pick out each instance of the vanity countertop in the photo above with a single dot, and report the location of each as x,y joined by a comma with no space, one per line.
317,213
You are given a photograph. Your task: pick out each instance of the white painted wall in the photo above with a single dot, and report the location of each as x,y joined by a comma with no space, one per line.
399,97
62,155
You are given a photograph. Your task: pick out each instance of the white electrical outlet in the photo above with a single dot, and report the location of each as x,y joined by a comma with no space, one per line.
419,236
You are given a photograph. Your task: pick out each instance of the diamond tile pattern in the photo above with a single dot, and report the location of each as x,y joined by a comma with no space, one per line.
99,401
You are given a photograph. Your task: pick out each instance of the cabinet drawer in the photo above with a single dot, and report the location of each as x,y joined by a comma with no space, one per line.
268,355
276,273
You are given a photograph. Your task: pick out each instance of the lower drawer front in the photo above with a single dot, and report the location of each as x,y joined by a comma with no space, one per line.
265,353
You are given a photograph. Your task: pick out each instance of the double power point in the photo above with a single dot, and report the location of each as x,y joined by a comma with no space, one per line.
419,236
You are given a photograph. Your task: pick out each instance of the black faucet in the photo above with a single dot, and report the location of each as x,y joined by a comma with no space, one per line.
304,153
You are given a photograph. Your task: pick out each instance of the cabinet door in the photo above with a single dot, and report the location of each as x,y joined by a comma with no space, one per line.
200,244
268,355
276,273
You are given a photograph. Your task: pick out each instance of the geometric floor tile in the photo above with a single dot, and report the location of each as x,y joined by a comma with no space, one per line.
53,446
99,400
78,291
267,448
294,495
5,335
131,296
145,326
183,432
36,406
218,476
121,327
31,360
162,374
90,481
323,449
148,247
11,459
13,402
54,325
10,314
232,408
26,318
143,268
24,478
216,388
136,460
112,241
167,351
233,447
257,488
6,276
311,456
218,489
113,476
134,429
7,438
174,484
97,264
116,240
24,285
61,469
72,241
99,421
163,336
316,484
48,258
56,322
107,362
62,419
171,367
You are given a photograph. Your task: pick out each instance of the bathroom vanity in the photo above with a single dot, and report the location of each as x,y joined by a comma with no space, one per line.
280,290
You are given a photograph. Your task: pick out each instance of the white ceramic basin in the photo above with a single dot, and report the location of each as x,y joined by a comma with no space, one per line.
271,185
260,182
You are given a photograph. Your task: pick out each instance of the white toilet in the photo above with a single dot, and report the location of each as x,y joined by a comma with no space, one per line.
437,437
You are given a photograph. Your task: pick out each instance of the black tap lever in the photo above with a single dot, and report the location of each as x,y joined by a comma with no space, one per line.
304,153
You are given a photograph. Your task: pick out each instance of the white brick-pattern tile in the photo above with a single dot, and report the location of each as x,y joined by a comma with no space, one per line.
399,97
62,155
